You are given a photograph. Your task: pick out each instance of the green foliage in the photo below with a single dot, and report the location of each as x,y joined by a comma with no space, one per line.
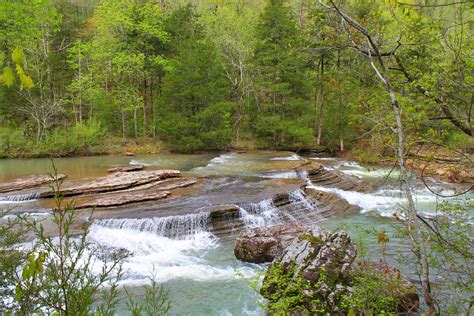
80,139
193,111
281,118
134,67
60,274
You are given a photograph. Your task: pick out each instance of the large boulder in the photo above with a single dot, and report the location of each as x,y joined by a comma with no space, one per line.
316,274
263,244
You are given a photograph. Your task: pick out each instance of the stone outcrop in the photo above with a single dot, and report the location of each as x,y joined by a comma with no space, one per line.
126,168
263,244
28,182
330,204
317,269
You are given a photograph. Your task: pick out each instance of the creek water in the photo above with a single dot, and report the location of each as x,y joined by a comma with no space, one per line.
186,256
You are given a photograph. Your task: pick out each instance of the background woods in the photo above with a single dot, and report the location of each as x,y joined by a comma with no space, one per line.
214,74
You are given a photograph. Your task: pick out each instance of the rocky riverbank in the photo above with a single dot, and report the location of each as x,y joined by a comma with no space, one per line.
315,271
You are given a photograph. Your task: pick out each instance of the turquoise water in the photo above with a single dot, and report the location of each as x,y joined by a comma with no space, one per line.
199,270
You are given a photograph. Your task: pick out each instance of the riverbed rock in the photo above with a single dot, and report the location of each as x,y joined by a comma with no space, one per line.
263,244
330,204
126,168
113,182
28,182
117,199
320,175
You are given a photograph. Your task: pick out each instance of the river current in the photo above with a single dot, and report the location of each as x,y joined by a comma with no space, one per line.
198,267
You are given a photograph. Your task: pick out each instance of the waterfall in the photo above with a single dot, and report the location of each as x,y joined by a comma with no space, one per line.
263,213
299,201
20,197
170,226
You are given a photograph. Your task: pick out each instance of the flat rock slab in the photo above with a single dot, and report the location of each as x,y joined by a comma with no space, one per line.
117,199
28,182
127,168
114,182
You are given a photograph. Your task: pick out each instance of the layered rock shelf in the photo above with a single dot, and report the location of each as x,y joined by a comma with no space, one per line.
113,182
28,182
322,176
117,199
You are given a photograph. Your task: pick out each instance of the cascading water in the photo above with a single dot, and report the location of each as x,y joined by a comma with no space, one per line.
20,197
299,201
177,227
263,213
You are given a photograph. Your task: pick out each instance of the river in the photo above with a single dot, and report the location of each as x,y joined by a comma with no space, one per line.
195,263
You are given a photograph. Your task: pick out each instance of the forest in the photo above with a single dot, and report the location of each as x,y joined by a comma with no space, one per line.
236,157
206,75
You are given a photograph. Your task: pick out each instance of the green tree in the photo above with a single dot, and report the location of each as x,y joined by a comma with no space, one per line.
194,111
281,112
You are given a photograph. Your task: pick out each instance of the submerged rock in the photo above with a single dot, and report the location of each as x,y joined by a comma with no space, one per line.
127,168
28,182
263,244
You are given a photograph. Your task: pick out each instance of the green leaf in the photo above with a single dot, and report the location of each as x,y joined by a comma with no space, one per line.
26,81
18,56
8,77
25,274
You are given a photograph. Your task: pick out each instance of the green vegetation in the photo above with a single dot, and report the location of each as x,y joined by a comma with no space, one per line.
215,74
366,293
59,273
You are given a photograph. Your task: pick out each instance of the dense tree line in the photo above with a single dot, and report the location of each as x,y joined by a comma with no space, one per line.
211,74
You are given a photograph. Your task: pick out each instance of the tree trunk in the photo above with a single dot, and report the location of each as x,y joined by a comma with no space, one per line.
413,222
321,101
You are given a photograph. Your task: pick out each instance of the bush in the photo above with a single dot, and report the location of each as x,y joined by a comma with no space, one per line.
12,142
74,141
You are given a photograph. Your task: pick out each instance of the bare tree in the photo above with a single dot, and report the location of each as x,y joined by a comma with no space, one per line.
372,50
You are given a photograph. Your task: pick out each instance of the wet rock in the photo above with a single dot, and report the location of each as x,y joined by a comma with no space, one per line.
319,175
117,199
263,244
224,211
129,154
28,182
114,182
127,168
330,204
